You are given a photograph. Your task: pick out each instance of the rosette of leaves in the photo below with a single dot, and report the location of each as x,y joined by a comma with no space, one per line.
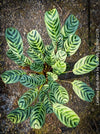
41,70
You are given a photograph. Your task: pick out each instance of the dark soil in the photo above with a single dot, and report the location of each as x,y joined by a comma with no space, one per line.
26,15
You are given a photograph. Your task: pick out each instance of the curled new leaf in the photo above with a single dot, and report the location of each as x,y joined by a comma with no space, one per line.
14,40
72,44
83,91
12,76
59,67
19,115
52,22
66,115
86,64
37,118
70,26
35,41
27,98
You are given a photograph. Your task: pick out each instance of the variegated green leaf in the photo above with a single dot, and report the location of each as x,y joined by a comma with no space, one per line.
48,105
14,40
59,67
60,45
52,97
52,22
15,58
35,41
49,55
66,115
52,76
19,115
83,91
70,26
26,60
27,98
86,64
37,118
43,92
72,44
37,67
61,55
32,81
37,57
60,92
12,76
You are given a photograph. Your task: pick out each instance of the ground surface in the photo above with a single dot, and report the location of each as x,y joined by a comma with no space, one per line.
26,16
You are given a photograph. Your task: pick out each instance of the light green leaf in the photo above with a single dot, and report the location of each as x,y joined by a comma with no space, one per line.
19,115
27,98
12,76
52,22
59,92
14,40
37,118
59,67
60,45
35,41
37,57
70,26
86,64
72,44
61,55
37,67
52,76
83,91
66,115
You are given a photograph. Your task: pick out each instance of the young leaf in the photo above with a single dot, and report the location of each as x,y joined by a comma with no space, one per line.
83,91
27,98
66,115
70,26
16,58
52,22
14,40
60,42
86,64
37,118
48,105
12,76
60,93
72,44
52,76
19,115
35,41
59,67
61,55
37,67
37,57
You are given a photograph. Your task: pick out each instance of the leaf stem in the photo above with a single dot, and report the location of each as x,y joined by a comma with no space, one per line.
64,81
68,72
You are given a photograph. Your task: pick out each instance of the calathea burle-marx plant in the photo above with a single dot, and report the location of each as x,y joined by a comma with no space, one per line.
41,70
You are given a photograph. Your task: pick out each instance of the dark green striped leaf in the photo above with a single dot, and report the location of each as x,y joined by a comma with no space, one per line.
19,115
12,76
48,105
83,91
35,41
27,98
52,22
60,42
66,115
70,26
72,44
86,64
37,67
37,57
37,118
14,40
